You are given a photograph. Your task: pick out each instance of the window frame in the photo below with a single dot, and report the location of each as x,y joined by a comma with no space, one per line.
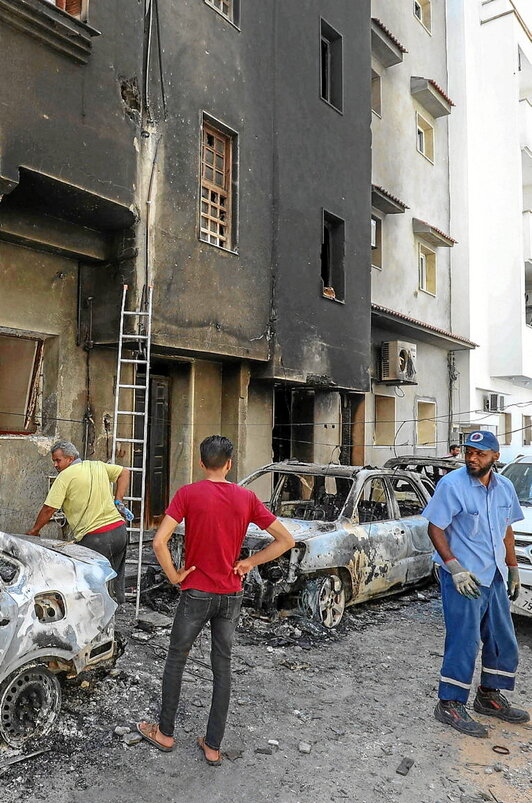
234,17
335,66
62,5
379,226
425,19
422,502
388,500
229,190
333,223
428,127
34,385
377,441
428,421
527,430
424,251
376,78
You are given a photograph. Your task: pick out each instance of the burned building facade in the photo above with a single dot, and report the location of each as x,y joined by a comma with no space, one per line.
218,151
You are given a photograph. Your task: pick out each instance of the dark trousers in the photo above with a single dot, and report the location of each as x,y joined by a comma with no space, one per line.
113,546
468,622
195,609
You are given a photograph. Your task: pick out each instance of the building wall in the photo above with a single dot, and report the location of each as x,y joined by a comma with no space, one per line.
489,261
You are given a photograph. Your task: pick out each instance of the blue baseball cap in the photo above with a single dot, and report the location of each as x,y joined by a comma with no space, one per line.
482,439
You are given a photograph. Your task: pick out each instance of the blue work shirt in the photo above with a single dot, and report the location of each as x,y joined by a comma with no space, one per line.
475,518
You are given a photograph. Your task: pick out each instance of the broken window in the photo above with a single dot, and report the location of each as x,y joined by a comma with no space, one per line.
227,8
408,498
77,8
332,257
373,502
331,66
216,187
313,497
20,363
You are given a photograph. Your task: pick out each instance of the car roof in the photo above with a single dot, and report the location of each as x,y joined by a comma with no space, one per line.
522,458
326,470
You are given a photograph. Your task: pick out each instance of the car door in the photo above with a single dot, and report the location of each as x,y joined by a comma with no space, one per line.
382,565
409,500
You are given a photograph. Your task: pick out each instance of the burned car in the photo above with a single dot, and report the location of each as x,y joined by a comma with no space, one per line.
56,619
431,469
359,534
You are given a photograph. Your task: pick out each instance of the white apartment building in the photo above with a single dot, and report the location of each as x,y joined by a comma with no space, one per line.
415,337
490,80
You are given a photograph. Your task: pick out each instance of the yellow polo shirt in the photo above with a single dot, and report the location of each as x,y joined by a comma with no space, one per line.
84,493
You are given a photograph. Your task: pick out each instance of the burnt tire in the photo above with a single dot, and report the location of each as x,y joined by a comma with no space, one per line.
30,702
323,599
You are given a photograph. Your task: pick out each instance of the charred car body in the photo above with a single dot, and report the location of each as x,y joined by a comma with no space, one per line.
430,468
359,534
56,619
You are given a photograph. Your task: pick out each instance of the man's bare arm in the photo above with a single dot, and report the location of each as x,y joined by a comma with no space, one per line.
441,544
282,542
509,543
122,484
45,514
162,552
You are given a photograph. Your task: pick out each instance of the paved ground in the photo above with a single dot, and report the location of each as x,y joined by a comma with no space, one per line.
362,699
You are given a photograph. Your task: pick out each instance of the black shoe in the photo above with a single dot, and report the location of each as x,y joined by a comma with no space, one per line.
492,703
453,713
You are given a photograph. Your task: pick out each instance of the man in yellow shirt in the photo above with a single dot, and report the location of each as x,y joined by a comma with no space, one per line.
83,491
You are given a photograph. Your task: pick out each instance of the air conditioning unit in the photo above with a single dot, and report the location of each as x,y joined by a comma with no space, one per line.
494,403
398,363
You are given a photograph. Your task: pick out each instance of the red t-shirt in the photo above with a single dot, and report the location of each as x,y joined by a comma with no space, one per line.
217,515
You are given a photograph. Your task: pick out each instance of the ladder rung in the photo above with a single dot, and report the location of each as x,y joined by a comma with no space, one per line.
134,387
133,468
134,530
128,412
135,312
140,362
134,337
133,498
129,440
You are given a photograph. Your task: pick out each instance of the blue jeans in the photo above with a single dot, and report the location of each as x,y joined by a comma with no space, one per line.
195,609
468,622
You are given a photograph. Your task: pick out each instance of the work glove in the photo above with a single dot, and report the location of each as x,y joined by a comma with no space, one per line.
514,582
465,582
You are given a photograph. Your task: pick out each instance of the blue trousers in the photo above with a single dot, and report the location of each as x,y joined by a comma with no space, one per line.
467,623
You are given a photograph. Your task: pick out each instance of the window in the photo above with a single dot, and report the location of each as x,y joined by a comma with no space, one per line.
376,242
77,8
332,257
373,502
504,430
230,9
425,137
426,423
331,66
427,269
20,362
527,430
384,421
375,92
423,13
216,187
408,498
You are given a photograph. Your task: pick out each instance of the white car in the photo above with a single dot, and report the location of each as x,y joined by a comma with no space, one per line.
519,472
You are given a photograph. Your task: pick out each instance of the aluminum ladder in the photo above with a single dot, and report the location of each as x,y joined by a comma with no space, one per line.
134,417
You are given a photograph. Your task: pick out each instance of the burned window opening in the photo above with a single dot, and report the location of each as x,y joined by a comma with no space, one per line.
307,496
332,257
130,94
331,67
20,368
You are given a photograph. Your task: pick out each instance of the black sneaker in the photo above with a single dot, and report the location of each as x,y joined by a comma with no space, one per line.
492,703
453,713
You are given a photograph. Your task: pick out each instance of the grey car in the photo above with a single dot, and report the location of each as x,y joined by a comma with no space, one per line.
56,619
359,534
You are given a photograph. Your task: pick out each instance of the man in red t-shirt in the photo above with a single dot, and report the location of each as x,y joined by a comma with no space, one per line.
217,514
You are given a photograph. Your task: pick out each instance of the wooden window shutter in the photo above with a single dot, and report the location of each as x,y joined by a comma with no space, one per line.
74,7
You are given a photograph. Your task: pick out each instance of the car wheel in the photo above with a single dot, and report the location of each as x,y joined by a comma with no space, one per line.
323,599
30,701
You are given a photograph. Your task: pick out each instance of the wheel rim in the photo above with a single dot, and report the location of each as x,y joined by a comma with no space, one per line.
331,601
29,705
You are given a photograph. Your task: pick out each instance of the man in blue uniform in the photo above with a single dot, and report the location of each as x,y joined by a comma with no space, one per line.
470,524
